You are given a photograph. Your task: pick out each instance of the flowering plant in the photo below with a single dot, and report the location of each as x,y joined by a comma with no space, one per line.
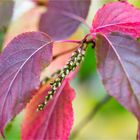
49,114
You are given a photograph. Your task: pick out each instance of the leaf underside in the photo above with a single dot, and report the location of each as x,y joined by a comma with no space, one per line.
21,63
118,63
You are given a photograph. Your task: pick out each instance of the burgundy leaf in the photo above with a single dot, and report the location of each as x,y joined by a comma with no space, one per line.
118,61
63,17
55,121
117,16
20,65
6,10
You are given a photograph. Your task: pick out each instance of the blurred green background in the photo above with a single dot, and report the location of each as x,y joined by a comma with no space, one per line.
112,121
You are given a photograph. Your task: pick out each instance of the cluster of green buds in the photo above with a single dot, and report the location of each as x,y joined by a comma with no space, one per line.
74,61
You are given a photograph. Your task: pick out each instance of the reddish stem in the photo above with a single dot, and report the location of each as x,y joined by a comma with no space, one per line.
68,41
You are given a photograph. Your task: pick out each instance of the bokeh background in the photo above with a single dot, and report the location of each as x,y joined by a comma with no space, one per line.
112,121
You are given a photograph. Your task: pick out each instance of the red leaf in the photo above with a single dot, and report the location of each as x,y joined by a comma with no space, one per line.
118,61
55,121
66,21
20,65
117,16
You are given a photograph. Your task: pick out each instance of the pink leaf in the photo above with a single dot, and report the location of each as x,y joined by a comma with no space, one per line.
20,65
117,16
55,121
118,61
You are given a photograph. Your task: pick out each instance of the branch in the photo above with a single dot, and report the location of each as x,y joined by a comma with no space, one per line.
90,116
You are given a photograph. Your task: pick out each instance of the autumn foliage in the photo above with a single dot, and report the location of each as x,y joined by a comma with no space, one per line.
48,101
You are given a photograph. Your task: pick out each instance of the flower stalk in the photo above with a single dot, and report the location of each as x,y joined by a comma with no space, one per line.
74,61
